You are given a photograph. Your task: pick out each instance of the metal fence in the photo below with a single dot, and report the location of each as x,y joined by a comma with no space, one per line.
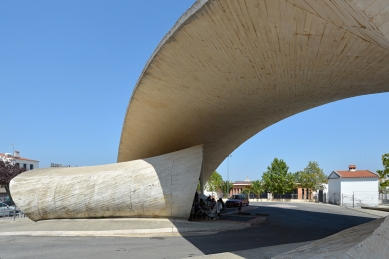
288,196
274,196
11,213
354,199
383,197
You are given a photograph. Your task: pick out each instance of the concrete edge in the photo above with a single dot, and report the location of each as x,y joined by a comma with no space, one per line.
367,211
376,208
129,232
133,232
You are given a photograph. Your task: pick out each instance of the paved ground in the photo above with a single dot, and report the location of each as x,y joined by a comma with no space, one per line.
288,226
343,244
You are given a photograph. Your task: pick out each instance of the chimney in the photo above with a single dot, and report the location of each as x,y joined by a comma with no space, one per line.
352,168
16,154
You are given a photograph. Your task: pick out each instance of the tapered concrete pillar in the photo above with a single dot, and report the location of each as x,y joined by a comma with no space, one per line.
162,186
375,246
202,180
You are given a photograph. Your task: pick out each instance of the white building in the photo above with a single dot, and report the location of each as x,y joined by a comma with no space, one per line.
23,162
353,188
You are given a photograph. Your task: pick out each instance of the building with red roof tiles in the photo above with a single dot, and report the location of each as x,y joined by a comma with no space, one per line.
353,188
26,163
239,186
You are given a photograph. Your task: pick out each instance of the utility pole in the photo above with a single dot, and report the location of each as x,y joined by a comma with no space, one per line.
228,174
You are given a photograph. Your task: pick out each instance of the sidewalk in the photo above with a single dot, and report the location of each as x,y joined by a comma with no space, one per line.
342,244
122,226
372,211
329,247
334,246
115,227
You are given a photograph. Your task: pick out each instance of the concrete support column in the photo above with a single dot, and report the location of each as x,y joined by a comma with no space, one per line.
202,183
161,186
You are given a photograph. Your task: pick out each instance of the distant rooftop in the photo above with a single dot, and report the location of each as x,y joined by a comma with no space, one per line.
245,182
356,174
19,158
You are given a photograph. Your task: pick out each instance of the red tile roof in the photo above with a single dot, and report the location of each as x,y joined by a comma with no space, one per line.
357,174
242,182
21,158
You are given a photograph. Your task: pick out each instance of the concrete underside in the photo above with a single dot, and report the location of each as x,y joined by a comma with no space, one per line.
162,186
228,69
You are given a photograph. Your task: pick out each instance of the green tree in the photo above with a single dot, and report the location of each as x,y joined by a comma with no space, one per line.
198,189
312,177
257,187
277,179
247,191
8,170
226,187
214,182
383,174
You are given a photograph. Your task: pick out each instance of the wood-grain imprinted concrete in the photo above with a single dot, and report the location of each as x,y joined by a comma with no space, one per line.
228,69
157,187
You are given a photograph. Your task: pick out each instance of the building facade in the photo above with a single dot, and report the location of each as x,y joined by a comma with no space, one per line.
353,188
27,163
239,186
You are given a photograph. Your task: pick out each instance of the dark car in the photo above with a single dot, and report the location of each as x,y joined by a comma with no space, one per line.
237,200
9,202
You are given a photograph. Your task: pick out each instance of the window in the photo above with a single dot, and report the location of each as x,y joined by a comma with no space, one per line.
25,166
31,166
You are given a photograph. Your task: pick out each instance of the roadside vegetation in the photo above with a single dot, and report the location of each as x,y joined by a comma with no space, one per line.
8,170
384,174
277,180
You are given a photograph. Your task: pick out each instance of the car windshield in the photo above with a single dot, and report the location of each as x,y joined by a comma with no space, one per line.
236,197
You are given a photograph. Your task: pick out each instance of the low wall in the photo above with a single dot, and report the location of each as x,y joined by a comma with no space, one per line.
280,200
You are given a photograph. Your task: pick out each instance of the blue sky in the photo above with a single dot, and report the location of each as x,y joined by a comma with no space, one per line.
68,68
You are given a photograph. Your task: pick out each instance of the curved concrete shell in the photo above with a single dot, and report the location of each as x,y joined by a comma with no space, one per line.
162,186
228,69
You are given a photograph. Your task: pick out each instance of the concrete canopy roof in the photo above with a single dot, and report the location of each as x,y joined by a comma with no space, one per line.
228,69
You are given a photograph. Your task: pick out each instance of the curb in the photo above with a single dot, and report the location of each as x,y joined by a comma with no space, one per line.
236,211
366,211
256,221
132,232
128,232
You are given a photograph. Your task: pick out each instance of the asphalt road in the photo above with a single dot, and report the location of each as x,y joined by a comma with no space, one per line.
287,223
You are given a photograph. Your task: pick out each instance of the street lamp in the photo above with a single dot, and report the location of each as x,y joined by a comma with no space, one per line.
13,149
228,174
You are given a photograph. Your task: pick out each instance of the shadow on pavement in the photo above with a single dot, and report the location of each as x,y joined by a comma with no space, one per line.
282,226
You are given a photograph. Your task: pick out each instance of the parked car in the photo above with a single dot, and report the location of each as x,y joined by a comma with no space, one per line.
237,200
9,202
6,210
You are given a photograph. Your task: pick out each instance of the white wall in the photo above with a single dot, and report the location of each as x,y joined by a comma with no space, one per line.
28,163
350,185
359,192
333,195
